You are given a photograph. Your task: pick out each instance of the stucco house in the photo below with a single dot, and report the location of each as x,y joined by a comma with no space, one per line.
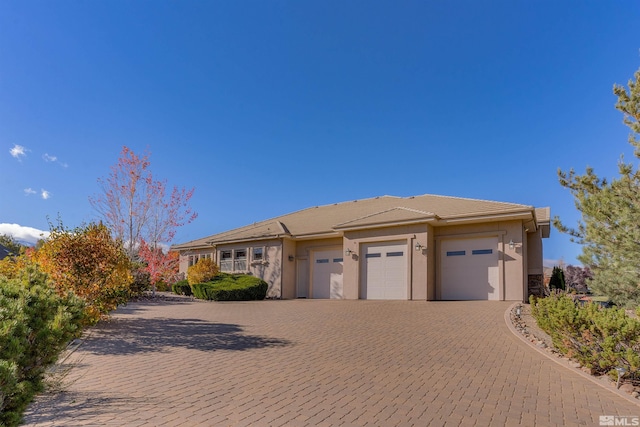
425,247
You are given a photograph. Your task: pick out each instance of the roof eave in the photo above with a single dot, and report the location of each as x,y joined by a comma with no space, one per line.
507,216
246,239
384,224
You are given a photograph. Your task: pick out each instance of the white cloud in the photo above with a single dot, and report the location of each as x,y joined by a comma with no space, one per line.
18,151
49,158
45,194
24,234
29,191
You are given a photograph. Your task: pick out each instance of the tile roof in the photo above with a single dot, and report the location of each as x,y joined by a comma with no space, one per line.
327,219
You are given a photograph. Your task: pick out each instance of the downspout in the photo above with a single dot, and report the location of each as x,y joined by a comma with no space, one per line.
412,241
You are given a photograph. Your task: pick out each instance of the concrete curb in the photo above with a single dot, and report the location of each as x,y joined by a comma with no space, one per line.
563,363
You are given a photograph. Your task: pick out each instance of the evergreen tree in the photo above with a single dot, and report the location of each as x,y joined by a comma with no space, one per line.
557,279
609,229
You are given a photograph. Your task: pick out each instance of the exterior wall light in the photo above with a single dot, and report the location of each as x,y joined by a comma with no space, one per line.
419,247
291,257
511,244
348,252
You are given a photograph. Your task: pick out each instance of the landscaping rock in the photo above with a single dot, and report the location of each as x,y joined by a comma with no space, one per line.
627,388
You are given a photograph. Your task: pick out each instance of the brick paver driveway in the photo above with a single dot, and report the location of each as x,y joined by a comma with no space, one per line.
314,363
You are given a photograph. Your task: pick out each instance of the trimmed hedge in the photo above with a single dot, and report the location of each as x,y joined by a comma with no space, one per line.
227,287
599,338
182,288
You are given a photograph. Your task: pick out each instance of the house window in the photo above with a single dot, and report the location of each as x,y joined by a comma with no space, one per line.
193,259
258,254
240,260
233,261
226,261
456,253
481,251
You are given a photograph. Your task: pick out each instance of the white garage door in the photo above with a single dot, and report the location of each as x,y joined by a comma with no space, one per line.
327,274
469,269
384,271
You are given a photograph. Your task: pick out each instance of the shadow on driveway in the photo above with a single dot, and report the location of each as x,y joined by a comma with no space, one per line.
131,336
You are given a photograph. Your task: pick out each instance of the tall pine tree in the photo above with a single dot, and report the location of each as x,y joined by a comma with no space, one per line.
609,229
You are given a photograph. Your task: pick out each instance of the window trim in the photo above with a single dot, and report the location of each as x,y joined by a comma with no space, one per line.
253,254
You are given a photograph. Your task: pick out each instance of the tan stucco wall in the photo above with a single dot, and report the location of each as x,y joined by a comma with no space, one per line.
288,269
534,252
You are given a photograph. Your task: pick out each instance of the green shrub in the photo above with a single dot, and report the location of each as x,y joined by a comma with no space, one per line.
162,286
227,287
35,326
599,338
182,288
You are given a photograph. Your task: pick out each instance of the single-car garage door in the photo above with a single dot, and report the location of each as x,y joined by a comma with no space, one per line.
469,269
384,271
327,274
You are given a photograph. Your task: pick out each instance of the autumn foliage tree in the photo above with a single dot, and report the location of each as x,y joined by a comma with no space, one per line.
161,266
88,262
138,208
202,271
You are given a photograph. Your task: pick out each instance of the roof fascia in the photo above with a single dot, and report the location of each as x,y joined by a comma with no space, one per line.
385,224
245,240
311,236
489,217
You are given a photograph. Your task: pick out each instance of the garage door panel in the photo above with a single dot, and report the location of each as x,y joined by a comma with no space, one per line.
327,275
469,269
384,271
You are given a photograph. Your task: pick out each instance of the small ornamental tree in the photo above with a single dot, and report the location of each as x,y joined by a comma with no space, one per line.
577,277
11,266
137,208
202,271
557,279
161,267
88,262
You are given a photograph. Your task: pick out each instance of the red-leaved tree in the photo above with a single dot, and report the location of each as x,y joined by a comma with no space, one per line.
161,266
137,208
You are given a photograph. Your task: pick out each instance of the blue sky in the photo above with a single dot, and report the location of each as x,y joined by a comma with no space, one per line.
268,107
